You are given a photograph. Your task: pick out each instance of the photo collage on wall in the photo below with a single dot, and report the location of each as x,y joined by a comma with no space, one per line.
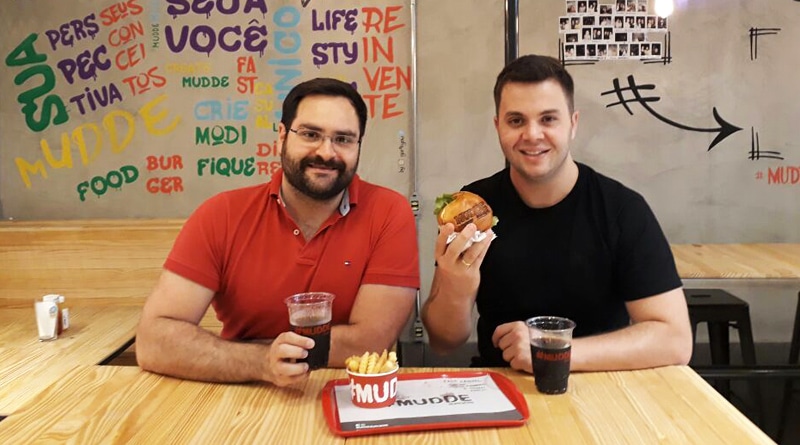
611,30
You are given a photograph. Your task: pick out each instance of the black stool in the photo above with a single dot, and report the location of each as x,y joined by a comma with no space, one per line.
794,356
722,311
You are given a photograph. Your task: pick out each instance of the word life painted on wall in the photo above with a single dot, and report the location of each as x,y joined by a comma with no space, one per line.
384,78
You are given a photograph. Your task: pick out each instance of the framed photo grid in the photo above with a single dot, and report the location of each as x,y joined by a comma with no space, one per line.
611,30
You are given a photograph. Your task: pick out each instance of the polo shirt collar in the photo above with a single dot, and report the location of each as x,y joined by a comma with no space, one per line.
349,199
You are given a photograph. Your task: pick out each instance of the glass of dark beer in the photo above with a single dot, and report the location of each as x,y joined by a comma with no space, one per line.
551,347
310,316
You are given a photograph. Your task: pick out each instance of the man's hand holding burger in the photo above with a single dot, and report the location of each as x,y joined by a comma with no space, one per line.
464,219
458,259
461,258
467,216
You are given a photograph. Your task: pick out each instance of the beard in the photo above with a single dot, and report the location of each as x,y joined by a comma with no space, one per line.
295,172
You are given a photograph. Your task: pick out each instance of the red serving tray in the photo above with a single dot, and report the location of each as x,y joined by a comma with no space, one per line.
506,386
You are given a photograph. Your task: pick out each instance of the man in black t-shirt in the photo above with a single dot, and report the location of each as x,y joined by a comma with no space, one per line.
570,242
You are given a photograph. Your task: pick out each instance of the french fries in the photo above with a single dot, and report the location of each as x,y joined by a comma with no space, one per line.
372,363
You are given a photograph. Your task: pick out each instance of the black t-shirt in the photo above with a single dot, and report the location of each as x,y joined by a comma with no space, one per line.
582,258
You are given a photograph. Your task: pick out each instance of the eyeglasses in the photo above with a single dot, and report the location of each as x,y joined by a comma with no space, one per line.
315,138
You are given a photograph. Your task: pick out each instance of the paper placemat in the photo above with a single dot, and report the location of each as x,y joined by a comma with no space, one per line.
430,401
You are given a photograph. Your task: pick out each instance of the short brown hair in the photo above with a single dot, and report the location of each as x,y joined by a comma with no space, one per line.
533,68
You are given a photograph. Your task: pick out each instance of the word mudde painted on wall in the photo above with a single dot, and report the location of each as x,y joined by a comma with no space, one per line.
53,110
156,123
154,9
205,82
114,179
784,175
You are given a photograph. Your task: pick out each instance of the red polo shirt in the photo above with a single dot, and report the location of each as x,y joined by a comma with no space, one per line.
243,245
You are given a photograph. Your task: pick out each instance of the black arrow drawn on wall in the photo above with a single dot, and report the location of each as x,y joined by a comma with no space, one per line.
725,129
305,2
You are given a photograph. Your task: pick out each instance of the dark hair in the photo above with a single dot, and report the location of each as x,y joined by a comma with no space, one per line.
323,86
534,69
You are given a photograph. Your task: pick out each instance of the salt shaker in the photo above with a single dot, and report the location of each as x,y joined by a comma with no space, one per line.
59,300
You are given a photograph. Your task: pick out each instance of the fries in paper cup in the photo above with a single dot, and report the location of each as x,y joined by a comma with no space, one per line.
373,378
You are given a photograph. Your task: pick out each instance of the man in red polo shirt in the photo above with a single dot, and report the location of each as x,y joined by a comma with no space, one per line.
316,226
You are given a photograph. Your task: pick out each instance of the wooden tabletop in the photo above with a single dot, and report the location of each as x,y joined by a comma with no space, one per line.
756,261
28,366
109,404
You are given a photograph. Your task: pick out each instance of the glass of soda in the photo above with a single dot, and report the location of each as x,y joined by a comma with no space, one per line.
551,347
310,316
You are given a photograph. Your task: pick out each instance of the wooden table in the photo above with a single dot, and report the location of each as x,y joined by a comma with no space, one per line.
725,261
109,404
27,366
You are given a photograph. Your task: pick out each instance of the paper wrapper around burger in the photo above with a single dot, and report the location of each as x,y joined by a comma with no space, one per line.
476,238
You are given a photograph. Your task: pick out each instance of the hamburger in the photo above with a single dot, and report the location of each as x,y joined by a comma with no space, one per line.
462,208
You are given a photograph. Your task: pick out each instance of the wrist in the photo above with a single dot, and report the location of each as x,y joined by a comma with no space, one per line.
265,370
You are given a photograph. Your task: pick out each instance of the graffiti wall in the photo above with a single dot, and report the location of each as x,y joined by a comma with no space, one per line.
144,108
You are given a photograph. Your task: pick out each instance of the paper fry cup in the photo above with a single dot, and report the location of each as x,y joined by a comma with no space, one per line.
373,390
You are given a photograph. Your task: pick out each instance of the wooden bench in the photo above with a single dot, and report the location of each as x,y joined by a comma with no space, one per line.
90,262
